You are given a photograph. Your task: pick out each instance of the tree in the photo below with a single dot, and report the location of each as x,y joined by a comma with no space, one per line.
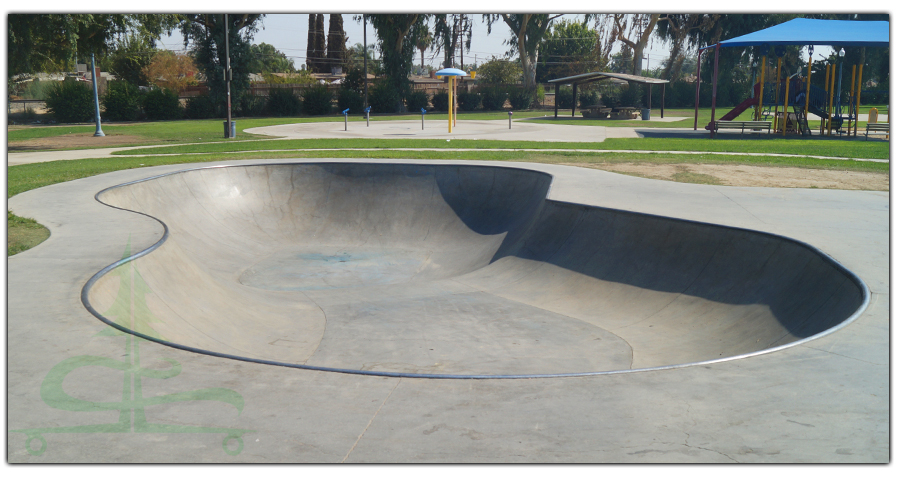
208,34
265,58
54,42
498,71
632,30
423,42
570,48
450,30
319,52
171,70
357,53
396,41
676,28
128,60
311,44
337,41
527,30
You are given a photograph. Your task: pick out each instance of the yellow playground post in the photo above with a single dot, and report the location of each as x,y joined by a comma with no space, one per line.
808,82
450,72
762,86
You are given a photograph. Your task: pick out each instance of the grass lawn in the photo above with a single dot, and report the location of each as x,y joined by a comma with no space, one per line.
191,131
789,145
22,178
23,233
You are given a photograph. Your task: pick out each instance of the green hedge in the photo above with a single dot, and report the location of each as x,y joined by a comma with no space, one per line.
416,101
71,102
281,102
440,101
122,101
162,104
317,100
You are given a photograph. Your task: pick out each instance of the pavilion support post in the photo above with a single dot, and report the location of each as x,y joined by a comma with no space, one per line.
712,120
662,103
831,97
556,100
697,95
824,122
858,91
574,97
850,115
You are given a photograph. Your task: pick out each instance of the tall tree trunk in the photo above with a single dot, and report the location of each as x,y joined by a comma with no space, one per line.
320,44
311,44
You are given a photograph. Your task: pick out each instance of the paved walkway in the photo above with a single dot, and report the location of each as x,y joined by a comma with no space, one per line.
436,129
820,402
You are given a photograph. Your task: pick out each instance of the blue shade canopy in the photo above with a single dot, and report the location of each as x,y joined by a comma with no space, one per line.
451,72
807,31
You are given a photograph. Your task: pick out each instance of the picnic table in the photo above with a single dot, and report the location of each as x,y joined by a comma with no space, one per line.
617,113
595,111
624,113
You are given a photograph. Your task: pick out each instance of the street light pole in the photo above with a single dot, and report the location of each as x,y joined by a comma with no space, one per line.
365,66
99,131
227,82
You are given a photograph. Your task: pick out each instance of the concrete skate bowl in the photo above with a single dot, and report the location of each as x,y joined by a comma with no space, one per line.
452,271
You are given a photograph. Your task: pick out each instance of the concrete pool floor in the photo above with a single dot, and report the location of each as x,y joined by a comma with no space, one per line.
76,395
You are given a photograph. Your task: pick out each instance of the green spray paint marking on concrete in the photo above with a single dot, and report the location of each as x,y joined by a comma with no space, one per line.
130,310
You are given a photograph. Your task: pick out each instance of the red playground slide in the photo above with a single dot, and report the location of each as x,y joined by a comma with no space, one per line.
754,100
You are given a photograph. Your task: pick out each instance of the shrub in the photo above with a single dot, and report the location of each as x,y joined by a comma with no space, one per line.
493,98
440,101
521,98
469,101
631,96
416,101
282,102
317,100
384,98
162,104
252,106
354,80
200,107
122,101
351,99
564,99
588,98
71,101
37,89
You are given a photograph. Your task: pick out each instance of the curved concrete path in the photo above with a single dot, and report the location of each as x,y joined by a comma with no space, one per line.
76,394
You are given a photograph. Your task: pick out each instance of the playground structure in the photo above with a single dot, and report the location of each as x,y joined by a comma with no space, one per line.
798,94
792,90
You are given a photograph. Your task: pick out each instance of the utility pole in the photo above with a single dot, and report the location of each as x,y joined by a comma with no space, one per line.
365,64
227,82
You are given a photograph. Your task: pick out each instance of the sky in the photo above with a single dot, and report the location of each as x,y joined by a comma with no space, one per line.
287,32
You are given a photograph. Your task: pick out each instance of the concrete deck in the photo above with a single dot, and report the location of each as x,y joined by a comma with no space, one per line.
826,400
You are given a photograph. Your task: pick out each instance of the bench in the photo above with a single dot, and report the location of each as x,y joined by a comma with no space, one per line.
748,124
878,128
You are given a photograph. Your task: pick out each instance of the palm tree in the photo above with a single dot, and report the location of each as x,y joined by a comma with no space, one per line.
423,42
